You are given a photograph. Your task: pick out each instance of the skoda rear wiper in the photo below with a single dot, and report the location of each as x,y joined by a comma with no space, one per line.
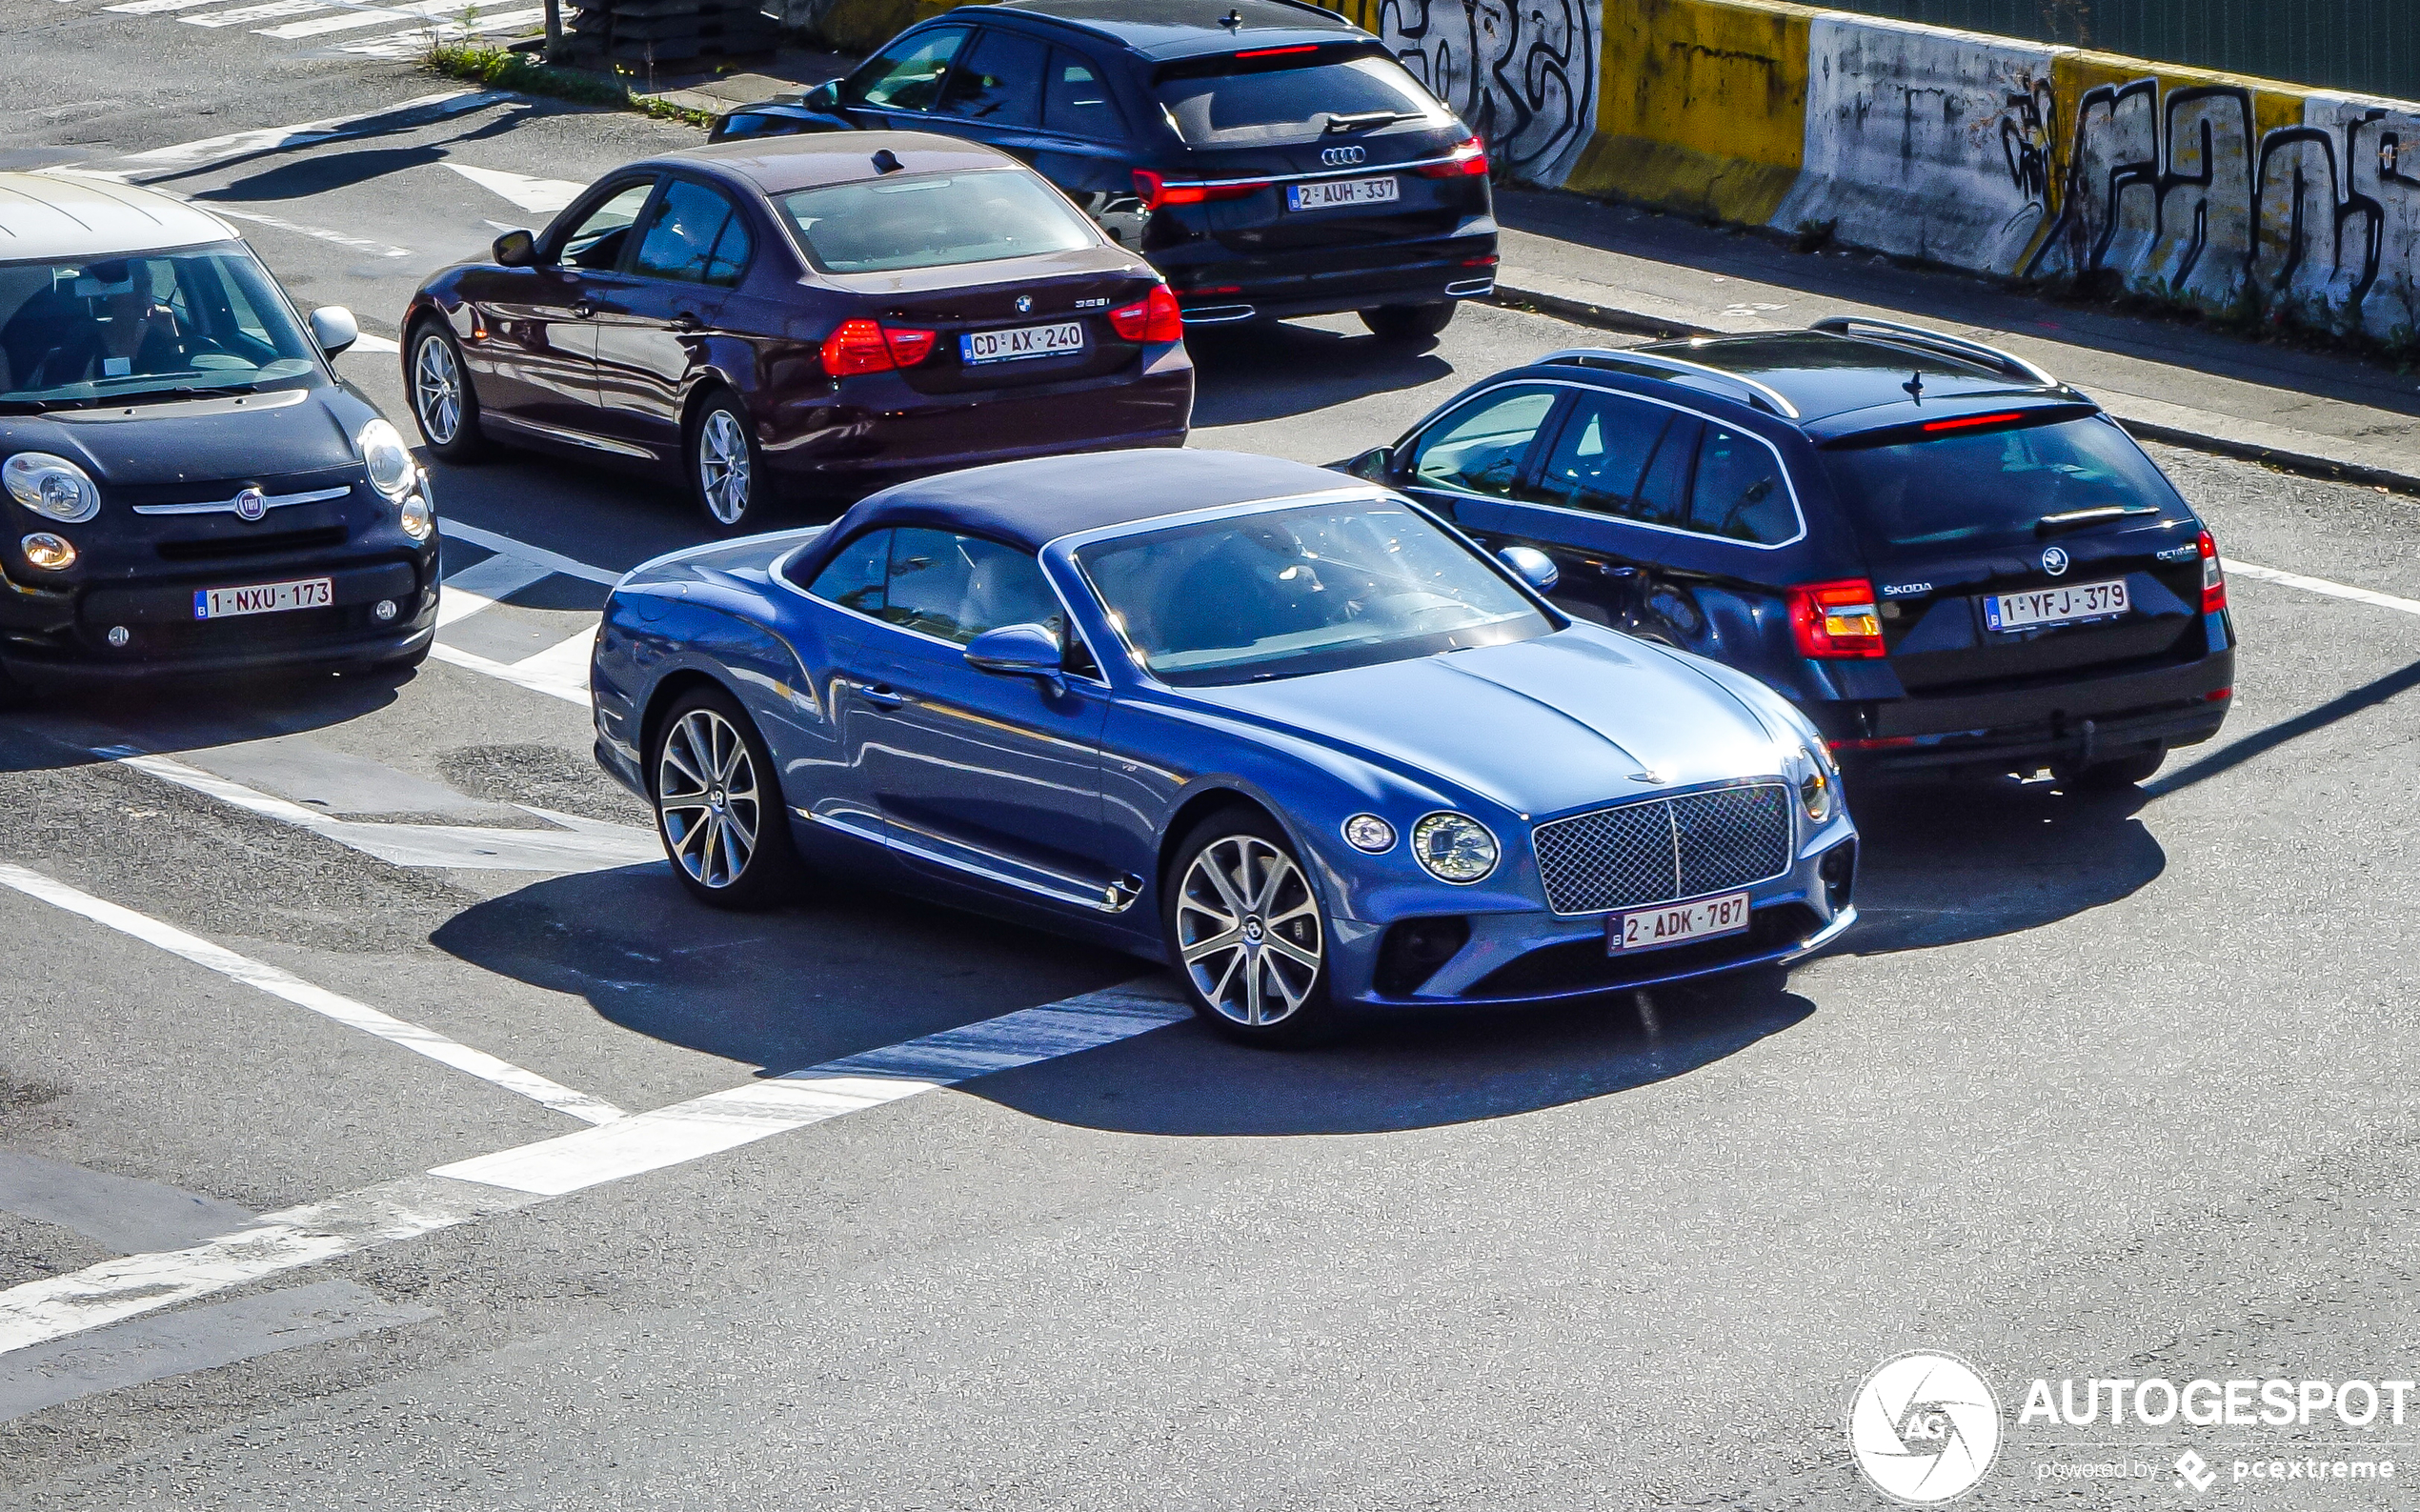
2072,518
1363,121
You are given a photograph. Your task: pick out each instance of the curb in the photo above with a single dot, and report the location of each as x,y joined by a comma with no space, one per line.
2311,464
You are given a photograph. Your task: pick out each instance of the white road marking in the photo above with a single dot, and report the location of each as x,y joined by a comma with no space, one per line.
564,664
368,343
352,18
37,1312
2321,585
481,584
595,846
212,149
285,985
723,1120
506,671
552,561
539,196
260,12
377,249
412,43
153,8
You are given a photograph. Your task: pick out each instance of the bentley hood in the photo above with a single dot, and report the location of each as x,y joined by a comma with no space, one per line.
1566,721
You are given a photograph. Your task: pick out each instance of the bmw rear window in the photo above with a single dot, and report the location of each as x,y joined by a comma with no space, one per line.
928,220
1290,94
1986,488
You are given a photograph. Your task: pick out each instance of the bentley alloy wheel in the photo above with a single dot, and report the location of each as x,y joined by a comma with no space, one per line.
720,817
1247,932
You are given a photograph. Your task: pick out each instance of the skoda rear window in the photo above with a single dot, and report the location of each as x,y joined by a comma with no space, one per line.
1290,94
1986,488
887,224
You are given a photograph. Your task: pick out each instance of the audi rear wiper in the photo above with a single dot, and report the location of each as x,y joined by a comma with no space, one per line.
1364,121
2072,518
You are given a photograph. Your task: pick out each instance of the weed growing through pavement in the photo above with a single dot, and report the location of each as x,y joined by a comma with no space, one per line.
503,68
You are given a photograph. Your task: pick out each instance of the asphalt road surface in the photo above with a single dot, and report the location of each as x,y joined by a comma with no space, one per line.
2114,1086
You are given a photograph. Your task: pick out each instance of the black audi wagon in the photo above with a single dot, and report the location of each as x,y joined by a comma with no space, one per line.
1948,559
1269,157
188,486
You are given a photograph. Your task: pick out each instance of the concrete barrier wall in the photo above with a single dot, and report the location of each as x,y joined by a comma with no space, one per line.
1982,153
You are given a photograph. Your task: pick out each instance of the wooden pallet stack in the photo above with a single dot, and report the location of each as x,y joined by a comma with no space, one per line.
670,31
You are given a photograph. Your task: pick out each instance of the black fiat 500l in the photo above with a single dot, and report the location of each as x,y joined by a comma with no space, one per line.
1950,559
190,486
1269,157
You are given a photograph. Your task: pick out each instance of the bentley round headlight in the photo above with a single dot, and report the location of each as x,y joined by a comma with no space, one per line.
1454,847
1367,832
388,459
50,486
1817,795
419,520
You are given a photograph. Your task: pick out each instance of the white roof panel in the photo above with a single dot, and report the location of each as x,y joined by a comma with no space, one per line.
45,215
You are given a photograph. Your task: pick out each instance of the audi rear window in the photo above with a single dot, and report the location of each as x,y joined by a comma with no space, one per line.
1985,489
928,220
1289,94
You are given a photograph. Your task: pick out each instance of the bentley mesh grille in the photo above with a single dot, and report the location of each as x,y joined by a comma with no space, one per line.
1660,849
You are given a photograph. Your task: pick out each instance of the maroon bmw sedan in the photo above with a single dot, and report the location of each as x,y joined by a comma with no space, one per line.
817,315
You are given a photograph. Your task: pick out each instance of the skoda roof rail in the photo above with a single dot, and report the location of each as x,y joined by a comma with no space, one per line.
1656,365
2004,362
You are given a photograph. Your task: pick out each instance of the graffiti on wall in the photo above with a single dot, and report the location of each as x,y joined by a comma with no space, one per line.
1522,72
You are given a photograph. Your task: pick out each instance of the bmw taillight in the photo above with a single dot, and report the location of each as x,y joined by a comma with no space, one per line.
1152,317
868,345
2213,577
1156,191
1469,159
1836,620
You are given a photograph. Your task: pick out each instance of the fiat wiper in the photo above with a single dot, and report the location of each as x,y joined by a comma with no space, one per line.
2071,520
180,391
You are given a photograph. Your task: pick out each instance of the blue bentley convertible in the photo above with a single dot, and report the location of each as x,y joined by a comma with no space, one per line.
1294,736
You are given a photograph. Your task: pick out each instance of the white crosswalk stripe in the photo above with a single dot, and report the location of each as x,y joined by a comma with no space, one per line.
259,12
416,40
351,19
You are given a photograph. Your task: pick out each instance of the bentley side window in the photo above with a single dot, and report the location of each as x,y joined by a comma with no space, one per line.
853,578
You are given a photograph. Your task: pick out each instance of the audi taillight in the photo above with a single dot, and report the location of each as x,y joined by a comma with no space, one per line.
868,345
2213,577
1156,191
1836,620
1469,159
1153,318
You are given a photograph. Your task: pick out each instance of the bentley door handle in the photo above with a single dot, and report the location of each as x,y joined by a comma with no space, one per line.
583,308
686,322
881,697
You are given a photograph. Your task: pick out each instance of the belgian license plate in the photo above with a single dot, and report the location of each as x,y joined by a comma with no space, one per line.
264,598
1676,923
1333,193
2056,606
1026,341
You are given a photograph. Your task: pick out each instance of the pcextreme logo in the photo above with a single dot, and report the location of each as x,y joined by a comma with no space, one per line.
1923,1427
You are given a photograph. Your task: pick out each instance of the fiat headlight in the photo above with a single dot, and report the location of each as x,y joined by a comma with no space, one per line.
1454,847
388,459
52,487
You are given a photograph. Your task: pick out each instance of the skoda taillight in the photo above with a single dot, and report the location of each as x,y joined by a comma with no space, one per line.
2213,577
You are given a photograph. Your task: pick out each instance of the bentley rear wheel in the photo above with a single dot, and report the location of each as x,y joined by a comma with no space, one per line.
1246,933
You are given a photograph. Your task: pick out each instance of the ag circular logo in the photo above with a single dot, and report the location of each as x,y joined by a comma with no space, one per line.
1923,1427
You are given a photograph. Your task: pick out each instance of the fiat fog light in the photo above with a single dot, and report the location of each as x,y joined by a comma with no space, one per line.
1454,847
52,554
1367,832
388,459
419,520
50,486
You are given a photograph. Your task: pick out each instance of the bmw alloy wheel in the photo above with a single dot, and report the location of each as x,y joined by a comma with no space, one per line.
724,475
1249,931
706,788
436,391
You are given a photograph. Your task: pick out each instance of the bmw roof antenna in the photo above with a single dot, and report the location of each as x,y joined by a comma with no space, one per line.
1233,20
1915,386
886,161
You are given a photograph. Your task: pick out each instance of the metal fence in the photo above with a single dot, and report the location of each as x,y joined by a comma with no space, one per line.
2372,46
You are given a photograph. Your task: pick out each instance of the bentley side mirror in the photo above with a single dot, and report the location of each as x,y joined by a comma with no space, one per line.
334,329
824,96
1532,566
1017,651
514,249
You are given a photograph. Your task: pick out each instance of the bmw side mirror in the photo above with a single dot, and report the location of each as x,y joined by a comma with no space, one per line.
1017,651
1532,566
334,329
824,96
1373,464
514,249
